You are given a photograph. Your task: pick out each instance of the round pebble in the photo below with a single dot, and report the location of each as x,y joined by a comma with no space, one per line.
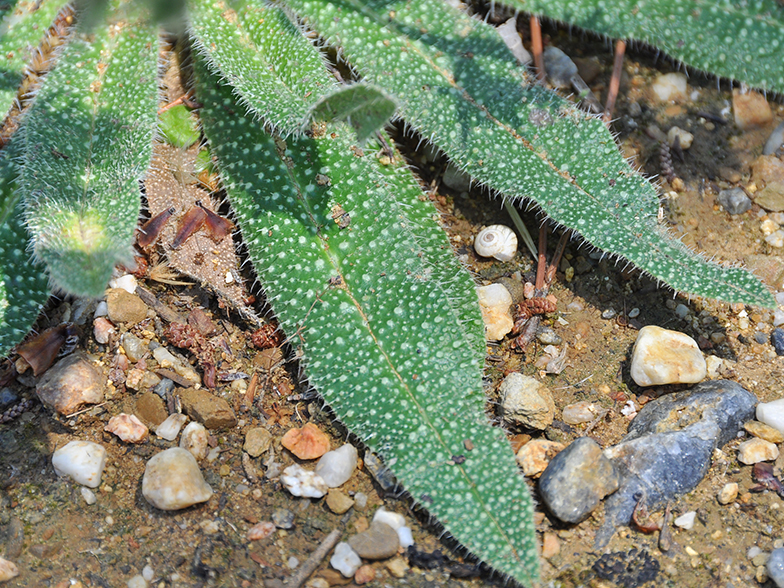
728,493
172,480
775,567
283,518
777,340
336,467
734,200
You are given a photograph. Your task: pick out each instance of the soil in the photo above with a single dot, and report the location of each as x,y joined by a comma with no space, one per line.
57,540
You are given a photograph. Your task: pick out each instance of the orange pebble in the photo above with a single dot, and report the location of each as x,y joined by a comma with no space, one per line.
309,442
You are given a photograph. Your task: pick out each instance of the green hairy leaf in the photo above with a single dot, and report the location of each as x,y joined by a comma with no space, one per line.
459,86
365,107
87,142
20,33
23,284
737,40
272,68
386,321
178,127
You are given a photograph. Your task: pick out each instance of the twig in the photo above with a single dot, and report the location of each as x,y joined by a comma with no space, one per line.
615,80
541,266
536,46
314,559
159,307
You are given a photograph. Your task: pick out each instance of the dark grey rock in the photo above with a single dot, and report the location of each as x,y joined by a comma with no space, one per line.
777,340
576,480
669,445
760,338
7,398
734,200
164,388
283,518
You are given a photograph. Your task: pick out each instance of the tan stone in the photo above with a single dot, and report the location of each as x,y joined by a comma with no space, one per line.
756,450
397,567
124,307
71,383
211,411
257,441
338,502
495,302
551,546
764,431
534,456
728,493
364,575
767,168
750,109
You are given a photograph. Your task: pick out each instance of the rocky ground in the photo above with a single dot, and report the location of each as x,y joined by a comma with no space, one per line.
252,530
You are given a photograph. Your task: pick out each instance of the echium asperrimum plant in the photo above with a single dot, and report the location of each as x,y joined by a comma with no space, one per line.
386,319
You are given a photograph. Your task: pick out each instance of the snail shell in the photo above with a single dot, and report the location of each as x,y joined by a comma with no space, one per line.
497,241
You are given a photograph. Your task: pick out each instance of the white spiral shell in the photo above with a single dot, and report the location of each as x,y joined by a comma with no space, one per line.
497,241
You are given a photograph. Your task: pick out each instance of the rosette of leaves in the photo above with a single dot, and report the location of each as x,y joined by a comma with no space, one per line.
344,242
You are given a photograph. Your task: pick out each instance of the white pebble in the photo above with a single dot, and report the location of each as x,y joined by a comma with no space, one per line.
8,570
137,582
512,40
170,428
127,427
772,413
126,282
686,521
660,356
768,226
579,412
685,138
360,499
345,560
172,480
775,239
494,302
756,450
82,461
336,467
778,317
681,311
671,86
397,522
195,439
634,313
405,536
148,573
102,309
164,358
88,495
301,482
292,562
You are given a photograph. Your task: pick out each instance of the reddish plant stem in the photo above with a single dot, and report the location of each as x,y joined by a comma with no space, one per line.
536,46
615,80
541,266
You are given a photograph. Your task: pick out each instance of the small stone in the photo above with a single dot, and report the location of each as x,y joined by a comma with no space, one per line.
775,567
103,329
338,502
579,412
669,87
380,541
82,461
211,411
756,450
548,336
170,428
609,314
526,402
283,518
8,570
734,200
257,441
551,546
150,409
125,282
260,531
772,414
577,479
398,523
713,365
397,567
137,581
763,431
134,347
750,109
70,384
685,138
666,357
336,467
495,302
173,481
345,560
777,340
127,427
195,440
88,495
682,311
309,442
776,238
686,521
728,493
124,307
301,482
364,575
534,456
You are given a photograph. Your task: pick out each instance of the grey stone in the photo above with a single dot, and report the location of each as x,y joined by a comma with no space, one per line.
577,479
380,541
283,518
134,347
526,402
776,567
547,336
777,340
734,200
669,445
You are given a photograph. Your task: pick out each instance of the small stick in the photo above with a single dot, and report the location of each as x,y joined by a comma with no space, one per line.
615,80
165,312
541,265
184,99
314,559
536,46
